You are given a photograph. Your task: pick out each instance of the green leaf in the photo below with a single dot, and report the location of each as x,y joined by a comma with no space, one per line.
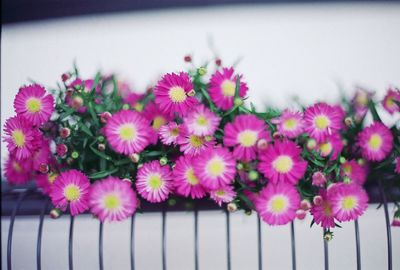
100,154
102,174
96,82
374,113
237,86
246,200
122,162
312,223
93,114
85,129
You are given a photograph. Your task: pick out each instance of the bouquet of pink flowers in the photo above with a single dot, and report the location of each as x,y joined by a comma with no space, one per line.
94,145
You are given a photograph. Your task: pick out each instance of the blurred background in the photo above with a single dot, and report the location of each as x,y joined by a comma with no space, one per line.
309,49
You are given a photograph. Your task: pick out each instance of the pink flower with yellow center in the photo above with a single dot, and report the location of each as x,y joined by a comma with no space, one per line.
349,201
321,120
375,141
322,213
193,145
391,101
133,99
223,86
243,135
112,199
355,172
71,188
215,167
290,124
281,162
224,194
45,181
127,132
17,172
201,121
33,104
277,203
154,182
331,146
157,119
174,93
170,133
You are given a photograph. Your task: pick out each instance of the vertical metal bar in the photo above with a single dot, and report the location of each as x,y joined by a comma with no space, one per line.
70,243
292,236
358,250
11,229
39,239
259,243
101,246
132,242
326,253
228,240
196,240
164,264
388,229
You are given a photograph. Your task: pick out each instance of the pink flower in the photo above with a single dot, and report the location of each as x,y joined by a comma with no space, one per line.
397,168
112,199
349,201
243,134
224,194
193,145
185,181
17,172
154,182
396,218
277,203
42,155
389,102
86,85
354,172
61,150
321,120
174,93
332,146
322,212
223,86
201,121
45,181
133,99
318,179
375,141
290,124
33,104
360,103
281,162
157,119
169,133
22,139
215,167
71,188
127,132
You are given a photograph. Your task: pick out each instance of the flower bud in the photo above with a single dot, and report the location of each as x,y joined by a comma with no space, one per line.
328,236
218,62
187,58
191,93
202,71
318,179
125,107
342,160
239,166
127,180
43,168
101,147
65,132
55,213
311,144
163,161
134,157
317,200
65,77
301,214
104,117
305,205
346,180
277,135
61,150
248,212
238,101
100,139
361,161
253,175
138,106
349,121
262,144
74,154
232,207
77,102
171,202
70,161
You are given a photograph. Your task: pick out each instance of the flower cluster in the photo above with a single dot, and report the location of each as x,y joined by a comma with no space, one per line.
95,145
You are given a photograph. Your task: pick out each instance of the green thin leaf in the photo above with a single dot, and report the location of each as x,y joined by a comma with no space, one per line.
374,113
93,114
100,154
103,174
85,129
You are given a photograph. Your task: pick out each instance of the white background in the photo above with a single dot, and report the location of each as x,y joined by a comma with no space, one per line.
306,50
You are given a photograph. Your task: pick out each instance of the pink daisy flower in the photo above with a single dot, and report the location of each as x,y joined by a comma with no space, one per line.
354,172
349,201
215,167
397,168
223,86
224,194
322,213
21,138
45,181
243,134
281,162
33,104
389,102
321,120
17,172
154,182
332,145
290,124
277,203
193,145
185,181
174,93
133,99
157,119
112,199
71,188
170,133
318,179
375,141
42,155
201,121
127,132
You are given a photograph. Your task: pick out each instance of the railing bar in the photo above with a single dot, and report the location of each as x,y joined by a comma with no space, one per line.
40,232
292,236
133,242
388,229
259,243
326,253
358,250
101,246
70,243
228,240
196,240
164,264
11,229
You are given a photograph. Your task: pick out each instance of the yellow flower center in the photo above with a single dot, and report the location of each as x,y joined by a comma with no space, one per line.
155,181
138,106
174,132
290,124
196,141
191,178
220,192
247,138
215,167
228,88
202,121
278,204
72,192
127,132
283,164
349,202
362,99
327,208
321,122
51,177
375,142
177,94
112,202
390,102
325,148
18,137
33,105
158,122
17,167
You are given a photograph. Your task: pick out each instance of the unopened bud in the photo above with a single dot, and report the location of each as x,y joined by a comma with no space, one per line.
43,168
317,200
361,161
239,166
55,213
61,150
125,107
262,144
238,101
202,71
65,132
328,236
349,121
163,161
231,207
346,180
191,93
77,102
65,77
187,58
104,117
100,139
300,214
74,154
305,205
311,144
134,157
101,147
253,175
277,135
171,202
248,212
218,62
342,160
70,161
